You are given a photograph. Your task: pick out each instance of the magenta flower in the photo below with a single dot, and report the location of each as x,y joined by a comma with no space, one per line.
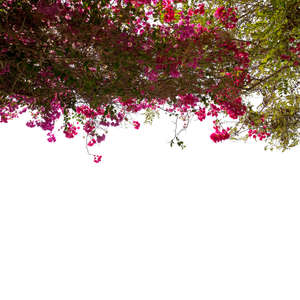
136,124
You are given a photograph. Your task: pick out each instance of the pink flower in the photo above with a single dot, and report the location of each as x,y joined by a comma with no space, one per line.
97,158
175,74
227,16
88,127
219,12
91,142
152,76
219,136
30,124
285,57
100,138
51,138
169,15
92,69
70,131
136,124
200,10
201,114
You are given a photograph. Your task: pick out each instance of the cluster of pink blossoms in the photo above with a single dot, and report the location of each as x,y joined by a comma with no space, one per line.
261,134
198,11
233,108
97,158
136,124
227,16
218,135
51,137
92,142
201,114
186,102
169,14
254,133
70,131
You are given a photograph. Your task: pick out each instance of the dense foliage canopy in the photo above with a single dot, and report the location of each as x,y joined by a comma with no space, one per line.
98,63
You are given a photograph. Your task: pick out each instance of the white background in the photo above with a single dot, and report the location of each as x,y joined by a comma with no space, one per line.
213,221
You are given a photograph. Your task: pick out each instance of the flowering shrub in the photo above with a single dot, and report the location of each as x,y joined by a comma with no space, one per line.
99,62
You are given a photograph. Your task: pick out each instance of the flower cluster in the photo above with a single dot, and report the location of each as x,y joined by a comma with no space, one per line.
169,14
227,16
70,131
201,114
259,133
136,124
89,127
234,108
254,133
100,138
188,101
214,110
218,135
198,11
97,158
92,142
51,137
30,124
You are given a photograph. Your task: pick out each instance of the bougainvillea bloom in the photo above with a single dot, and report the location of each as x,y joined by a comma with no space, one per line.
136,124
97,158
